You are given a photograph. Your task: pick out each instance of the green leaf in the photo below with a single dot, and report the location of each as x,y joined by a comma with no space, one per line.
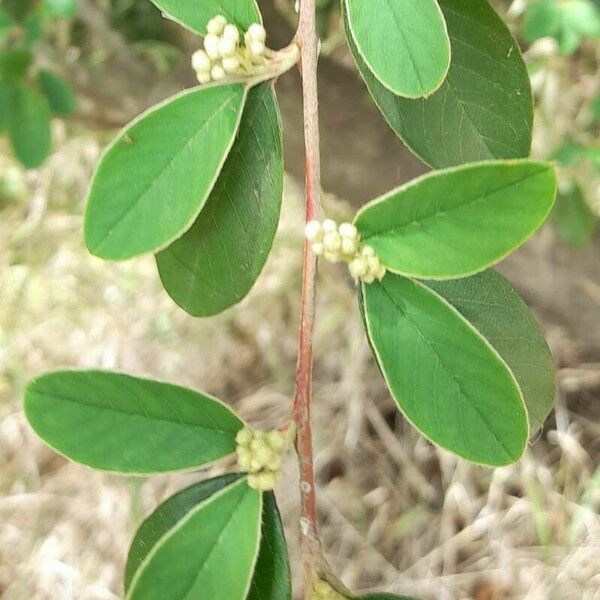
569,153
215,264
14,63
30,127
6,21
271,580
209,553
7,90
272,576
542,19
484,108
61,8
154,179
404,43
167,516
19,9
196,15
459,221
58,92
445,377
574,219
493,307
116,422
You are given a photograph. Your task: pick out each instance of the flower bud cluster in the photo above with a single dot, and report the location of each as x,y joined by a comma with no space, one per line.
226,53
261,453
342,243
323,591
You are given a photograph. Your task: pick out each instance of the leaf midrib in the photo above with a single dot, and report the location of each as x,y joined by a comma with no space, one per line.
448,371
179,422
396,229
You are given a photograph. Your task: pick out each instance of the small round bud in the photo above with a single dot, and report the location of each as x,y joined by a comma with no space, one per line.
332,241
274,464
211,46
244,437
373,264
349,231
257,33
201,62
244,458
231,64
368,251
329,225
203,77
217,72
349,246
257,49
357,268
276,440
227,47
255,465
264,456
318,248
369,278
216,25
231,32
313,231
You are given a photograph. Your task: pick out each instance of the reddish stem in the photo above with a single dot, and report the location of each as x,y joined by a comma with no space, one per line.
309,49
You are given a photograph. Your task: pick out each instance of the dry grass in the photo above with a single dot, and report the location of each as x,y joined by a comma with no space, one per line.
396,513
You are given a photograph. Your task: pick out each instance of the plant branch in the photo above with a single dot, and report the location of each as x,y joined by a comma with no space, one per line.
306,38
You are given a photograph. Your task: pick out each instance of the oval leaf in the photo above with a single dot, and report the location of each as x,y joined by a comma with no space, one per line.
117,422
493,307
459,221
217,261
58,92
445,377
154,179
196,15
404,43
271,580
484,108
209,553
30,127
272,576
167,516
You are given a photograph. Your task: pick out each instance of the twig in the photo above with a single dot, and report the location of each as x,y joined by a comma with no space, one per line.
306,38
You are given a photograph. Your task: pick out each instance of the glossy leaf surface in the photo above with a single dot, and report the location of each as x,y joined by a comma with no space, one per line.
156,176
196,15
459,221
210,553
217,261
117,422
493,307
404,43
445,377
484,108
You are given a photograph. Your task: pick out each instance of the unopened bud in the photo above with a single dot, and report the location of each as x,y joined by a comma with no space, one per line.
201,62
231,64
227,47
313,231
211,46
349,231
332,241
216,25
318,249
257,49
368,252
276,440
232,33
329,225
244,437
357,268
218,72
203,77
349,246
257,33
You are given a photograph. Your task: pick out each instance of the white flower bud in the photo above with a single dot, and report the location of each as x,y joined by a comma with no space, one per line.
369,278
203,77
244,437
201,62
216,25
349,246
244,458
257,49
381,272
313,231
358,268
349,231
368,252
276,440
211,45
318,248
373,264
257,33
329,225
232,33
231,64
332,241
227,47
217,72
